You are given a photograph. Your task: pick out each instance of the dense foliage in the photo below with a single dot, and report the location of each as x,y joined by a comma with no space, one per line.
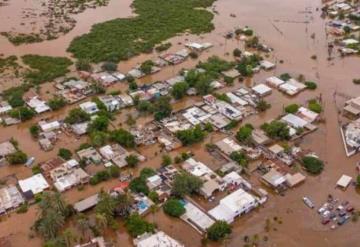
174,208
218,231
156,21
190,136
313,165
276,130
185,184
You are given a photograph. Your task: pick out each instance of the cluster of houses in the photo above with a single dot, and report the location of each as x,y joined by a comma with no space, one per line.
344,25
351,131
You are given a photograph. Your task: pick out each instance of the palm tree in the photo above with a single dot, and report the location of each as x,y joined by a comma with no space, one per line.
106,206
51,224
123,205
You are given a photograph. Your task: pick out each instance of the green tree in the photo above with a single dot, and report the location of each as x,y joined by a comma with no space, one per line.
17,158
179,90
315,106
56,103
218,231
34,130
190,136
166,160
162,108
146,67
98,138
109,66
313,165
22,113
237,52
101,123
106,206
185,184
240,158
310,85
77,115
138,185
293,108
276,130
137,226
123,137
65,153
262,105
244,133
145,106
132,160
83,64
174,207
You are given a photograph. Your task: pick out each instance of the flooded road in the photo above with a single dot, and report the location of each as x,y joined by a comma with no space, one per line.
287,26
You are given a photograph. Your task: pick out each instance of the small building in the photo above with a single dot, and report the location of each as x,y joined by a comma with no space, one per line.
87,203
294,179
233,205
276,149
307,115
158,239
37,105
274,178
352,106
153,182
259,137
267,65
10,198
49,126
90,155
274,81
294,121
228,145
115,153
344,181
89,107
5,107
80,129
35,184
233,178
349,42
233,73
95,242
261,90
110,102
196,217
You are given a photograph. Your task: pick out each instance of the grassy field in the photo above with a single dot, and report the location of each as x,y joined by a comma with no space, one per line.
156,21
44,68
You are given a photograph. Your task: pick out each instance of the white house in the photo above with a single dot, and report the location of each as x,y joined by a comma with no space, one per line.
261,90
36,184
89,107
235,204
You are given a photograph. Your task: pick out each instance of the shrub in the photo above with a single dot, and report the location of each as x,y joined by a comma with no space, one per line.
17,158
174,208
236,52
310,85
185,184
190,136
293,108
262,105
22,113
137,226
56,103
132,160
123,137
276,130
163,47
285,77
109,66
314,106
65,153
356,81
244,133
34,131
166,160
77,115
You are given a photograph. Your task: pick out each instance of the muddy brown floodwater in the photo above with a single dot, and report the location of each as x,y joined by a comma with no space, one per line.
287,26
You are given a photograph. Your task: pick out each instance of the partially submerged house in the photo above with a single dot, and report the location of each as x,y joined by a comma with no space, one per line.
34,184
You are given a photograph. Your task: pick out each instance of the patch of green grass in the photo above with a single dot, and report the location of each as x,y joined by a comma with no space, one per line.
44,68
8,62
156,21
22,38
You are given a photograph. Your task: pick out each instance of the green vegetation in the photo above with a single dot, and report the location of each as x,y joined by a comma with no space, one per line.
285,77
244,133
56,103
356,81
44,68
138,184
174,208
222,97
293,108
276,130
314,106
104,175
145,106
77,115
185,184
156,21
311,85
233,124
132,160
34,130
22,38
98,138
109,66
65,153
358,181
22,113
313,165
17,158
218,231
237,52
247,64
215,65
163,47
101,123
137,226
162,108
146,67
8,62
240,158
179,90
191,136
166,160
262,105
14,95
83,65
123,137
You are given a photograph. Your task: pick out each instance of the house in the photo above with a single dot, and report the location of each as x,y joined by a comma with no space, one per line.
307,115
273,178
292,87
10,198
351,137
80,129
198,46
259,137
233,205
233,178
37,105
266,65
294,121
294,179
35,184
87,203
212,182
352,106
153,181
90,155
195,115
114,153
218,121
5,107
233,73
349,42
125,100
172,81
89,107
110,102
78,86
196,217
261,90
157,239
274,81
228,145
6,148
236,100
49,126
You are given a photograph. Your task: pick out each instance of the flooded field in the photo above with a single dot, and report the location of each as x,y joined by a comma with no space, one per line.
286,26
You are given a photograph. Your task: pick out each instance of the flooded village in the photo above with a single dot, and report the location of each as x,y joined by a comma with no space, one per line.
240,127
